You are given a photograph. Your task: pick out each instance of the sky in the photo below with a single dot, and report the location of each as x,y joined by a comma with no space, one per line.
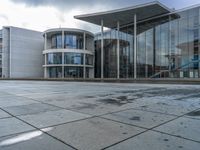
41,15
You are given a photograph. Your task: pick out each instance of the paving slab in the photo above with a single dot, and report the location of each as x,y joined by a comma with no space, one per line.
10,126
3,114
182,127
94,133
140,118
15,101
166,108
51,118
156,141
34,140
30,109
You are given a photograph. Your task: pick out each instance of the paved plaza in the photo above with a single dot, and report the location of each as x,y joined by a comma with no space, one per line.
47,115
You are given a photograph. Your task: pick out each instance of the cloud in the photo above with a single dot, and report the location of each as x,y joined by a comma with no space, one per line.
2,16
66,5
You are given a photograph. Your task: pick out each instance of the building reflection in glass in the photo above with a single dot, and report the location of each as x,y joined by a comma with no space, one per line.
167,47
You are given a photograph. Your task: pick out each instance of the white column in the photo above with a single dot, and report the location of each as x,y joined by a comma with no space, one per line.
45,68
102,53
63,38
135,46
170,56
45,41
84,55
63,65
118,54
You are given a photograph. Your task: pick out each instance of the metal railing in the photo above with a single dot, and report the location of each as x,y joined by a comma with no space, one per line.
173,70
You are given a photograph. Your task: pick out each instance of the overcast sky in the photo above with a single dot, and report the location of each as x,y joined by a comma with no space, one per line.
44,14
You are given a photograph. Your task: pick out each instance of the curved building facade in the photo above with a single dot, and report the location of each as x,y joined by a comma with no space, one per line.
110,55
68,53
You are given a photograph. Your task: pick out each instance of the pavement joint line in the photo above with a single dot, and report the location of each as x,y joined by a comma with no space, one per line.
156,112
34,113
190,117
124,123
124,140
6,117
176,136
40,130
70,109
151,129
15,134
139,110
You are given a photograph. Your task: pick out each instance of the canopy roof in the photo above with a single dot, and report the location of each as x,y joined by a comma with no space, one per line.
126,15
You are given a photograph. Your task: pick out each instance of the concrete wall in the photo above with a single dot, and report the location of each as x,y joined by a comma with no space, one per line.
6,53
24,48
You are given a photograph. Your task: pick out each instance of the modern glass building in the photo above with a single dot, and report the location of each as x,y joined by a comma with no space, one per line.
68,53
147,41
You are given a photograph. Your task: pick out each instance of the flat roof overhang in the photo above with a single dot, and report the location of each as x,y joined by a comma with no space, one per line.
126,16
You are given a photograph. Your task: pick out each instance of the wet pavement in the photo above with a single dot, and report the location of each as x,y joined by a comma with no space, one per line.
47,115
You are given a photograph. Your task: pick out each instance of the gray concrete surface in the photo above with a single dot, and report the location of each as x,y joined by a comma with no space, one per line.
49,115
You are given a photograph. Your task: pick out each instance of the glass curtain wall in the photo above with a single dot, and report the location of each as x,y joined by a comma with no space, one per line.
169,46
55,72
73,58
54,58
73,41
56,41
110,55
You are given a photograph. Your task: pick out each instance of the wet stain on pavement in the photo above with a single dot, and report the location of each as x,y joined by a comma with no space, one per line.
166,140
135,118
194,113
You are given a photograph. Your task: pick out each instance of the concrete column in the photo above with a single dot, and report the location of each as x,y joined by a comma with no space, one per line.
63,65
102,53
118,54
84,55
170,56
45,41
63,39
45,63
135,46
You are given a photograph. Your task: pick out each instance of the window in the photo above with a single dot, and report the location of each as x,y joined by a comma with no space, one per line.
54,58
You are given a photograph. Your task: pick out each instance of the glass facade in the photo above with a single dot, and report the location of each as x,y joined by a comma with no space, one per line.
68,53
55,72
73,41
54,58
56,41
73,58
110,55
73,72
167,47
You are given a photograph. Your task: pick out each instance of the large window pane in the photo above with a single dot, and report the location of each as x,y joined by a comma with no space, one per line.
89,59
55,72
73,58
73,41
73,72
56,41
54,58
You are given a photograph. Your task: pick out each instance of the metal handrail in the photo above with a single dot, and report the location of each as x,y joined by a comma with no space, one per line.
159,73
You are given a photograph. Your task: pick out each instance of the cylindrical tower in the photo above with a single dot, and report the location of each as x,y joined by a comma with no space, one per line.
68,53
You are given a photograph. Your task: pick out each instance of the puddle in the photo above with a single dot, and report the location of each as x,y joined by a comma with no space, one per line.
119,101
135,118
112,101
194,113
